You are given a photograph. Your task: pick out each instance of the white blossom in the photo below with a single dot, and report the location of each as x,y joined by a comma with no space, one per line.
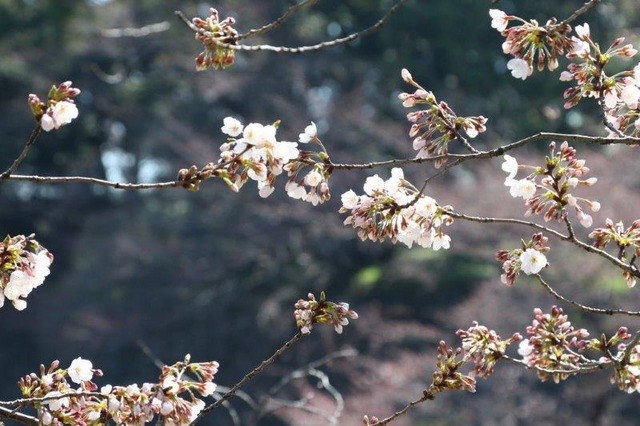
232,127
80,370
310,132
532,261
349,199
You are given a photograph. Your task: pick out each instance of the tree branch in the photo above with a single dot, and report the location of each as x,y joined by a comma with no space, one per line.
300,49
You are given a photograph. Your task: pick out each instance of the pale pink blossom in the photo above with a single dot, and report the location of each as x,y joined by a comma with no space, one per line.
519,68
499,19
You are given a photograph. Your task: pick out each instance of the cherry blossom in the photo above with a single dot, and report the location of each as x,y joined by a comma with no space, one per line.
80,370
309,134
532,261
519,68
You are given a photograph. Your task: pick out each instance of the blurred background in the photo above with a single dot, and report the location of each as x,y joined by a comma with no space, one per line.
215,273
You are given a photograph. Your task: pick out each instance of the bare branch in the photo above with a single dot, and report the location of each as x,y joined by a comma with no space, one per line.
585,8
275,24
301,49
32,139
91,181
249,376
136,32
8,414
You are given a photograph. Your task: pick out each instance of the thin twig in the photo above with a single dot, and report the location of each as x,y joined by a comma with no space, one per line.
136,32
8,414
597,140
268,27
300,49
249,376
32,139
429,394
311,368
92,181
585,307
594,366
588,5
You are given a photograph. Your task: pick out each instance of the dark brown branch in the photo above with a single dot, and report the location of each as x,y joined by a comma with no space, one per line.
585,8
301,49
7,414
249,376
585,307
32,139
275,24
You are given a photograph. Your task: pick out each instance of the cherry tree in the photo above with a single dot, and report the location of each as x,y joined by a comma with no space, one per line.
387,207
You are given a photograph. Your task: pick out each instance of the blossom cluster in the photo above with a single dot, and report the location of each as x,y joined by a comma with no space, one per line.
561,173
397,210
619,93
252,152
530,43
627,241
529,259
626,373
312,311
436,126
484,347
62,403
59,108
554,346
24,265
216,36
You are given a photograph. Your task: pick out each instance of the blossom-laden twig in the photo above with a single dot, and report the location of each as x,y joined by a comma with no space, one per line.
561,173
435,127
395,209
220,39
59,403
447,376
58,111
253,153
553,343
529,259
627,242
24,265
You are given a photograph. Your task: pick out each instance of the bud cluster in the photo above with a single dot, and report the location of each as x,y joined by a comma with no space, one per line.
561,173
554,345
447,375
397,210
433,128
529,259
530,40
619,92
627,242
59,108
484,347
24,264
216,35
131,405
312,311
